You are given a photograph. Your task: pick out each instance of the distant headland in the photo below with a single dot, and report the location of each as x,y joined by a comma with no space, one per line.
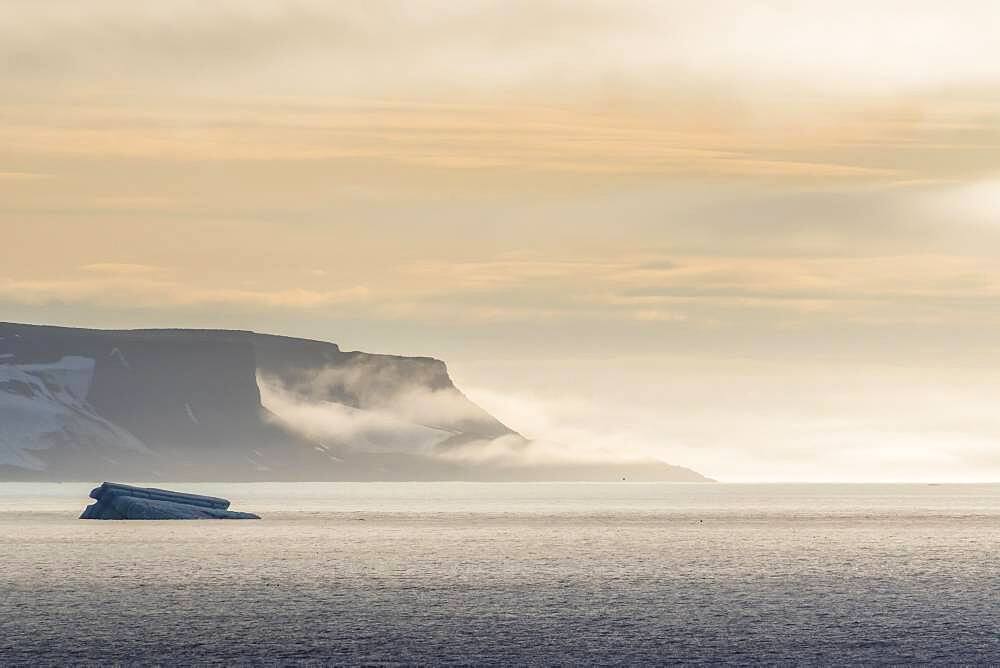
229,405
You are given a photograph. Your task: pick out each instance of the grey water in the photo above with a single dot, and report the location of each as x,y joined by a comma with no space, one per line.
470,573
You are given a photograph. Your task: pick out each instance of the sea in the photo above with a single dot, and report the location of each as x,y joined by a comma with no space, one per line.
509,574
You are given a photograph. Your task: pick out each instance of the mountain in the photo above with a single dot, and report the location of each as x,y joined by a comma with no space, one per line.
183,404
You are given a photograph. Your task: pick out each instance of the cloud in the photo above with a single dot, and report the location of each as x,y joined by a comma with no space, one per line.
504,272
121,268
487,139
137,286
482,45
411,418
134,203
415,390
686,291
765,93
515,451
297,298
745,419
333,423
822,278
22,176
972,203
693,289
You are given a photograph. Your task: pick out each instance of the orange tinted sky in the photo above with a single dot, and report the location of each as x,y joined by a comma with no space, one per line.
558,184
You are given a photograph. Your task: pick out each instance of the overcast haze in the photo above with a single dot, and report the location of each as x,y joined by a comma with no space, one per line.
757,239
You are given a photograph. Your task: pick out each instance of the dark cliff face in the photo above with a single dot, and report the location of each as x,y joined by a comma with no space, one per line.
177,388
189,397
80,404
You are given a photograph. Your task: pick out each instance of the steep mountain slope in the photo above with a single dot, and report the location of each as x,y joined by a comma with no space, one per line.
45,409
190,398
234,405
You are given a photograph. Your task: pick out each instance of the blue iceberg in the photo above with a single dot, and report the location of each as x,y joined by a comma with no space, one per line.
116,501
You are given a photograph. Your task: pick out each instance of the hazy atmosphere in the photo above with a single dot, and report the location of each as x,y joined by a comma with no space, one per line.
759,240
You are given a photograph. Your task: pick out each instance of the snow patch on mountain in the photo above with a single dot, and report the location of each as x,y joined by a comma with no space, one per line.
190,414
116,352
45,405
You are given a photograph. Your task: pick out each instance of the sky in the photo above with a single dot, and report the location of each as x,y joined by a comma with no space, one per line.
759,239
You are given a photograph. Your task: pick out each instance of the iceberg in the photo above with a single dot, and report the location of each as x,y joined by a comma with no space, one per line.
116,501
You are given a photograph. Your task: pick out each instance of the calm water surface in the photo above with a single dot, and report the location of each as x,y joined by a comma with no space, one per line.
439,573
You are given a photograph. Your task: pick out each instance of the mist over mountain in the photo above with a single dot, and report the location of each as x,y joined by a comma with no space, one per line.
176,404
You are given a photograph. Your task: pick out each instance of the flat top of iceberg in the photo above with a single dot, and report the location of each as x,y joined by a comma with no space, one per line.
156,493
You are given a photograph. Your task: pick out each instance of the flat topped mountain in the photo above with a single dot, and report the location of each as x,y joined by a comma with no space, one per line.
176,404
